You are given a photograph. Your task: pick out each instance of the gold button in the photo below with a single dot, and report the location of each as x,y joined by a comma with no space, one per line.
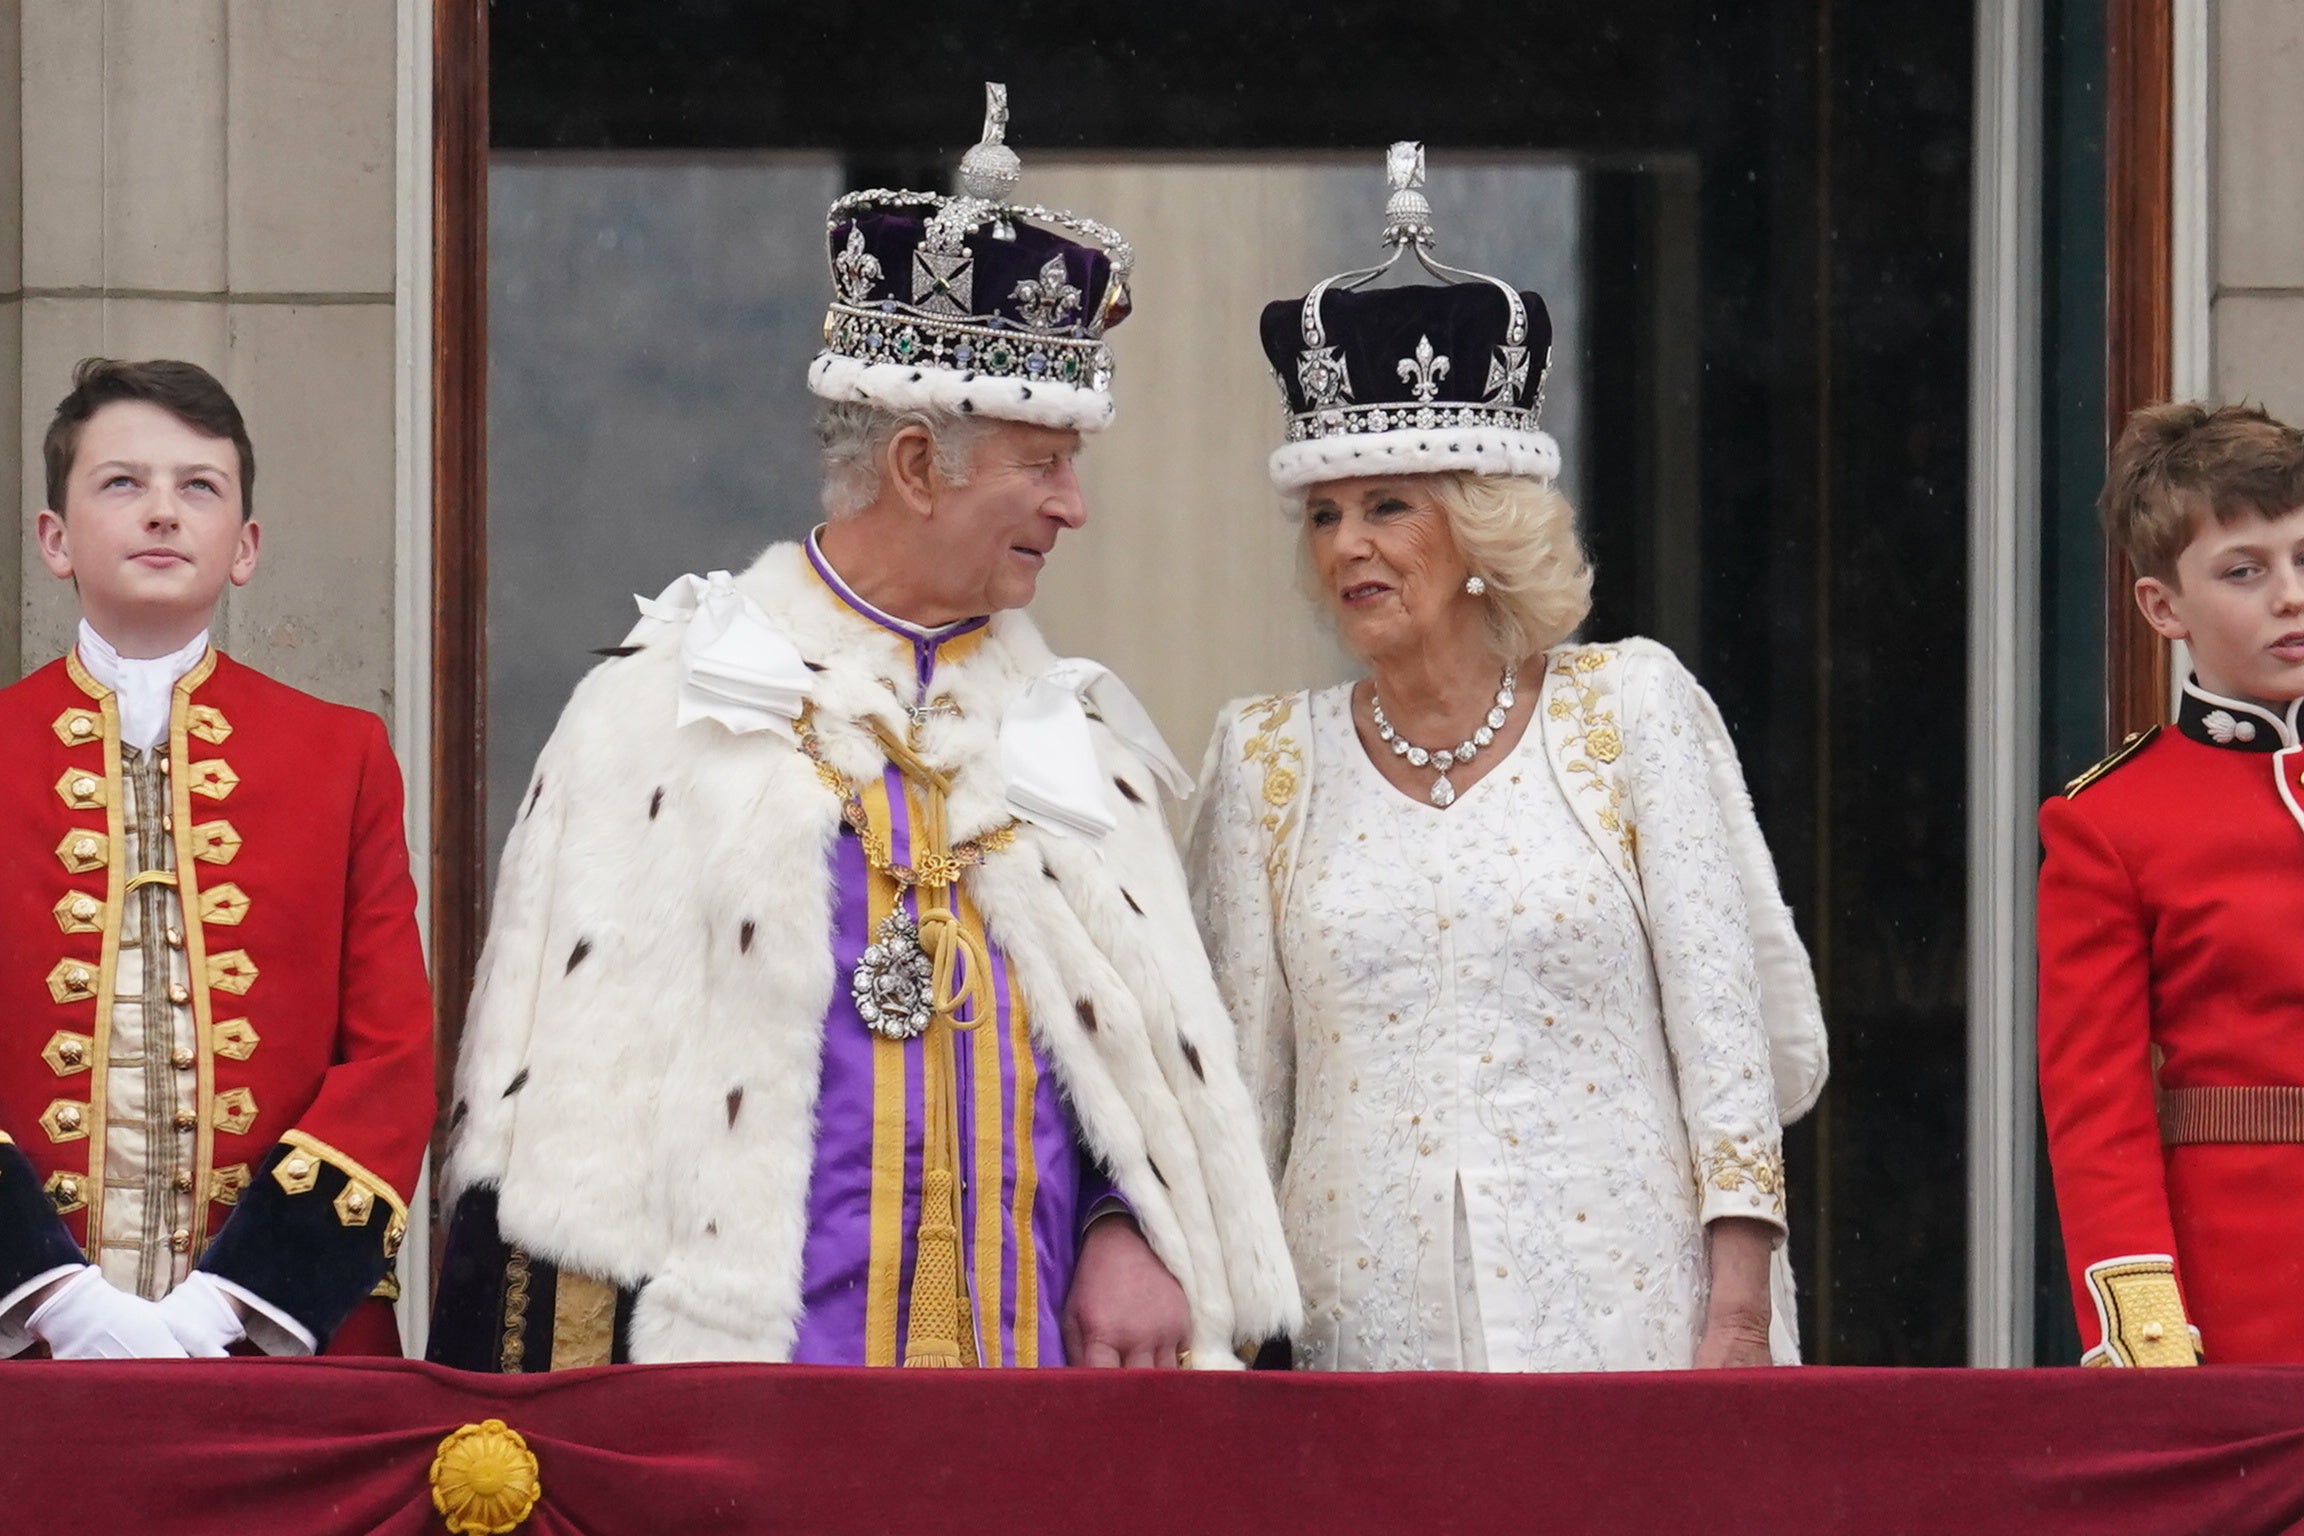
185,1119
356,1200
178,992
298,1167
83,787
83,907
68,1187
182,1057
82,725
181,1239
77,976
83,847
68,1118
1499,1271
167,823
182,1183
70,1051
175,938
2154,1332
167,764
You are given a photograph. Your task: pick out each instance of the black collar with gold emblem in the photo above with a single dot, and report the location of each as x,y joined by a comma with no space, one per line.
2216,721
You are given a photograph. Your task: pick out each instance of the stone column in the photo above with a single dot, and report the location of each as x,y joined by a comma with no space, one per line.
214,180
2259,204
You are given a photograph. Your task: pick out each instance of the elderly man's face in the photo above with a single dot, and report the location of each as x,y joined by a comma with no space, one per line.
990,537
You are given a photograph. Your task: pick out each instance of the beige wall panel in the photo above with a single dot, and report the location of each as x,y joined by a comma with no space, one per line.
12,473
11,153
1185,579
61,74
315,382
311,143
2260,351
57,334
2259,124
164,145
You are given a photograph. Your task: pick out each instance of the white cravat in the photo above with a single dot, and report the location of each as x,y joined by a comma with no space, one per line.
143,686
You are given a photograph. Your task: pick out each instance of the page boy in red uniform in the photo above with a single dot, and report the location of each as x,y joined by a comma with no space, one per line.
215,1028
2172,923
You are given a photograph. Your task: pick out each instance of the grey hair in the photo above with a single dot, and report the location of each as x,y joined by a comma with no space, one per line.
852,438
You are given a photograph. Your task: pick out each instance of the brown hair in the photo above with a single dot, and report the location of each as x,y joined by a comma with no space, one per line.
2179,460
185,391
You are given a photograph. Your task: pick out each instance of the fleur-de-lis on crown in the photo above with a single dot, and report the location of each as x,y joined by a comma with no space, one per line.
857,268
1048,298
1424,371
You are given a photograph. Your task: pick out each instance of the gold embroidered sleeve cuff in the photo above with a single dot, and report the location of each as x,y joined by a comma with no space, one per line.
1741,1176
312,1233
2140,1314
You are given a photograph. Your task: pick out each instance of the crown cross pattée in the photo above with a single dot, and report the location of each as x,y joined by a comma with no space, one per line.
1046,300
1423,372
857,268
1507,375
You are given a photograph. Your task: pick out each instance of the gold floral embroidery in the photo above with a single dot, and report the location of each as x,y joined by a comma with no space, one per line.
1594,741
1283,763
1733,1165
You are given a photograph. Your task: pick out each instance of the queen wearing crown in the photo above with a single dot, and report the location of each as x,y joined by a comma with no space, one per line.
1520,1006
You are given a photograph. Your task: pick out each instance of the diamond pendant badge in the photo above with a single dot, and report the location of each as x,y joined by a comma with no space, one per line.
890,985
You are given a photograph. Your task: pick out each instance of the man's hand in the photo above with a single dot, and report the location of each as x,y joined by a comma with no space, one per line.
1125,1308
84,1318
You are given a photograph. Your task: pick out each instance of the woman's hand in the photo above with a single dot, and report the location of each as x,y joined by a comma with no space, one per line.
1736,1322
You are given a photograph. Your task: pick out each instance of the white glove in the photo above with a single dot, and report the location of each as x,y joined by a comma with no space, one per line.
86,1319
202,1316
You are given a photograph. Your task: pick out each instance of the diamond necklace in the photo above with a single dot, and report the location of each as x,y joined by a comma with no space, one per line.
1442,792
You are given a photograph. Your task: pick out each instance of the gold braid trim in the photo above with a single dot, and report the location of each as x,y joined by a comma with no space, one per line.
2141,1313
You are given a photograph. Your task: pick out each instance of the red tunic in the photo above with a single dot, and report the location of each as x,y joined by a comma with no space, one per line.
2172,938
313,1065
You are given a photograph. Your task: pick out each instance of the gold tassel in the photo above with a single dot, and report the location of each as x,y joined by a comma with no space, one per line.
934,1340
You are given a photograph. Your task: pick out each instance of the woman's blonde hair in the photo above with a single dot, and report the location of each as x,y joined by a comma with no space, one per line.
1519,536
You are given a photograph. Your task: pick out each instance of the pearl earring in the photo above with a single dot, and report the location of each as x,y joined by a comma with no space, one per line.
1475,587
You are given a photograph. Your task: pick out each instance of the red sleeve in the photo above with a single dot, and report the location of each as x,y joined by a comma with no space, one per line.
2096,1076
321,1221
376,1104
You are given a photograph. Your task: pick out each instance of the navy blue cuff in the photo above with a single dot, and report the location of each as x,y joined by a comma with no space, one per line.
307,1237
33,1238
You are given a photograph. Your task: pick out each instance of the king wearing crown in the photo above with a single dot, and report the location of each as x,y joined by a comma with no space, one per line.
843,1002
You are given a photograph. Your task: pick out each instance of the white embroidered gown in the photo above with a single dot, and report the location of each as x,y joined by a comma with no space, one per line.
1490,1101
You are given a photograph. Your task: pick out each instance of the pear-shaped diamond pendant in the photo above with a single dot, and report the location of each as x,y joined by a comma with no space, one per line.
1443,793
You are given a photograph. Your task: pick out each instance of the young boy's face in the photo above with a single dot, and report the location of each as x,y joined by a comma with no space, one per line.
151,528
2238,600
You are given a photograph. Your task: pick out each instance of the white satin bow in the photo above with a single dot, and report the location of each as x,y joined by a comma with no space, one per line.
735,666
1049,757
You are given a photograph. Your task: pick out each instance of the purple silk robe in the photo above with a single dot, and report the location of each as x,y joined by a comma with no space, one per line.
1027,1187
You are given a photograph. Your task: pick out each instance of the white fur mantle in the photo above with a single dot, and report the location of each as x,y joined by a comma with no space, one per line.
658,943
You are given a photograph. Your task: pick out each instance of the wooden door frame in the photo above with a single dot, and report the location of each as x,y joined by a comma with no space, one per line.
459,518
2139,179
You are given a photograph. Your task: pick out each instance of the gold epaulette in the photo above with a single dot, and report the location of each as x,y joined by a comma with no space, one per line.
2137,741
